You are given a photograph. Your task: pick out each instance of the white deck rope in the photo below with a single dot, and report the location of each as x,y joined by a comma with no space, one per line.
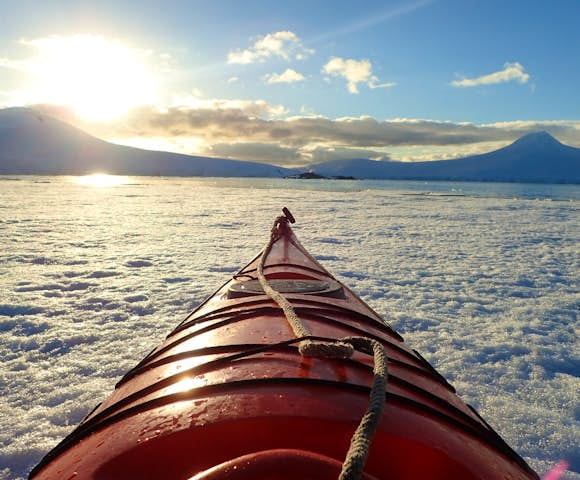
356,457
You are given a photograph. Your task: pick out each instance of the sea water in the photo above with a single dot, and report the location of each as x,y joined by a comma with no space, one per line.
482,279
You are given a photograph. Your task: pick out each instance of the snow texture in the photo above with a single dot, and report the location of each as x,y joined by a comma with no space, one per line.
485,286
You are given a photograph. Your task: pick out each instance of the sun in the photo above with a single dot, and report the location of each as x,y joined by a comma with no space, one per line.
98,78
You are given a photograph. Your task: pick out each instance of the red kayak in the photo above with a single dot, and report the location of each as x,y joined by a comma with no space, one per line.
233,393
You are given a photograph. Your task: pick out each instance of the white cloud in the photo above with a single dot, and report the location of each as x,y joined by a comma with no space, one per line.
284,44
355,72
257,152
512,72
322,152
18,65
233,79
248,108
288,76
372,84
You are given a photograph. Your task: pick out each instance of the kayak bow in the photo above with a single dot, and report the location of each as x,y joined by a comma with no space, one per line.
228,394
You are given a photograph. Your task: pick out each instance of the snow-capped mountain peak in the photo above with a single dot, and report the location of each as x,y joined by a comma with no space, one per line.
541,139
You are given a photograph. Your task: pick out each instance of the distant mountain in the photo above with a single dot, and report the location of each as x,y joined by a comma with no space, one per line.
34,143
537,157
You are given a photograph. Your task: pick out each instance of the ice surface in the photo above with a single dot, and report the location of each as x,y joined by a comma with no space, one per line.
91,279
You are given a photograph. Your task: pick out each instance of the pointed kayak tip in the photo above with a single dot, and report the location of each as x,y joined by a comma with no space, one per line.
282,225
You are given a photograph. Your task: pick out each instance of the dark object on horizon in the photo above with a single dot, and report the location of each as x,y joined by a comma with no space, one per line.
343,177
229,396
306,176
315,176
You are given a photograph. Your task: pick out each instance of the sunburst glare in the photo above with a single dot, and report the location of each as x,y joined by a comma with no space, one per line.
103,180
99,79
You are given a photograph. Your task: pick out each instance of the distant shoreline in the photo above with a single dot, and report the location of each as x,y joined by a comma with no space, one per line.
338,178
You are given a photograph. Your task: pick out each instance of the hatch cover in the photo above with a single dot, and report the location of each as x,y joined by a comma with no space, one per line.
327,288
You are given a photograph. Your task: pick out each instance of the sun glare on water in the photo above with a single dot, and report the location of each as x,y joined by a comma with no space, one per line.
103,180
99,79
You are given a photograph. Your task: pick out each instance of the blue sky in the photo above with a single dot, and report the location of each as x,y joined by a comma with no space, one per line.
294,82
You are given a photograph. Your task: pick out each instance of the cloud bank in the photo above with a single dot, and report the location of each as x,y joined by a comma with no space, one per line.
257,130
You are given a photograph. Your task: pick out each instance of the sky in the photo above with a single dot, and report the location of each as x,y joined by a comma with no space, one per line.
293,83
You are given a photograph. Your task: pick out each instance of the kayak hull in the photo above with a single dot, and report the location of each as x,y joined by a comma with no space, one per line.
227,395
174,442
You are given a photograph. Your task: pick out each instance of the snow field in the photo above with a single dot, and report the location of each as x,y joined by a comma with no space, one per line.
92,278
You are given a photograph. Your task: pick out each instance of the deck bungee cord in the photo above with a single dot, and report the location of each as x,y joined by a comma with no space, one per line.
342,348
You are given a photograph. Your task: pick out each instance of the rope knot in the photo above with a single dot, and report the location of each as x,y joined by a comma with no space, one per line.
338,350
